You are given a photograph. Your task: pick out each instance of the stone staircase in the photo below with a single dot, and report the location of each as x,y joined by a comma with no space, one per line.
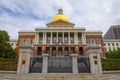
59,76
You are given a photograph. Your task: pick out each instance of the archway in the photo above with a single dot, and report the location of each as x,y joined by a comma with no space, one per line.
73,50
66,51
39,51
47,50
80,51
54,51
60,51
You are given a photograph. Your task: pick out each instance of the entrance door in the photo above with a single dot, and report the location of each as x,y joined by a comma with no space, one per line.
60,51
66,51
47,50
39,51
53,51
80,51
73,50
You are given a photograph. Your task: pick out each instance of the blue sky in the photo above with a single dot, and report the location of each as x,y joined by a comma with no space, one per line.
16,15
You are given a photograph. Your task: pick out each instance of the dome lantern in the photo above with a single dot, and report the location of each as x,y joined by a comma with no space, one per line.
60,16
60,11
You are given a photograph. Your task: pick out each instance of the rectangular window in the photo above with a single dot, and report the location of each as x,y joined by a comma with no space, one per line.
104,44
105,49
23,62
95,57
112,44
109,49
95,61
117,44
113,48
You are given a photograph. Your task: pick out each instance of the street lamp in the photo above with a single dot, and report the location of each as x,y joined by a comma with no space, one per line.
60,43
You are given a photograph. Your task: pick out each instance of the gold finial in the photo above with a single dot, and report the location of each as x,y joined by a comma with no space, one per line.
60,11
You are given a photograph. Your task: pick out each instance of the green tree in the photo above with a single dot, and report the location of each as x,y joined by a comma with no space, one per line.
4,36
6,51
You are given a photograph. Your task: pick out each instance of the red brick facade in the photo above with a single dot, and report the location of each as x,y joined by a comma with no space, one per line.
24,37
97,37
79,49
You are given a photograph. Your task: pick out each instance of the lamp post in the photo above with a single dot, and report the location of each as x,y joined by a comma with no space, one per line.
60,43
3,55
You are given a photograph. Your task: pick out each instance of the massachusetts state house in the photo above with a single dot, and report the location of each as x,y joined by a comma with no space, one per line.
60,37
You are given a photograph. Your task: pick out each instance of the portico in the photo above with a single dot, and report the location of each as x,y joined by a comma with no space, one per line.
60,42
55,36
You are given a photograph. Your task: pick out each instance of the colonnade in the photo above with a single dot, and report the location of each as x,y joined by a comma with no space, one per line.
70,37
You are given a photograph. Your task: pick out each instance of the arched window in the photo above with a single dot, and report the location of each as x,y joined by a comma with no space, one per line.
27,41
21,41
98,41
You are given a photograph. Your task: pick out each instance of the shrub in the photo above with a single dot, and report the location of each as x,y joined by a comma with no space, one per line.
111,64
8,64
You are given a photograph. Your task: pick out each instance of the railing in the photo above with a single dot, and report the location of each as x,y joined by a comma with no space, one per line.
83,65
60,64
36,64
26,45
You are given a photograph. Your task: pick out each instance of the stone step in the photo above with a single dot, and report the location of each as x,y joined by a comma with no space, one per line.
61,76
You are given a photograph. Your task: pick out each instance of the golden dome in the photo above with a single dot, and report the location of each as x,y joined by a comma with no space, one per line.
60,16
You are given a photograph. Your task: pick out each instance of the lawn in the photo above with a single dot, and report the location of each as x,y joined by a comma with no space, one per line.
8,64
107,64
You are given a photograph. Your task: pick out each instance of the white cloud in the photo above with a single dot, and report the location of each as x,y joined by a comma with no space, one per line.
17,15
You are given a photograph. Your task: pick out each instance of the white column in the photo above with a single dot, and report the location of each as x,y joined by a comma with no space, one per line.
99,63
83,38
37,38
92,68
45,37
74,63
68,37
28,62
63,37
45,63
51,38
57,37
19,63
76,37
